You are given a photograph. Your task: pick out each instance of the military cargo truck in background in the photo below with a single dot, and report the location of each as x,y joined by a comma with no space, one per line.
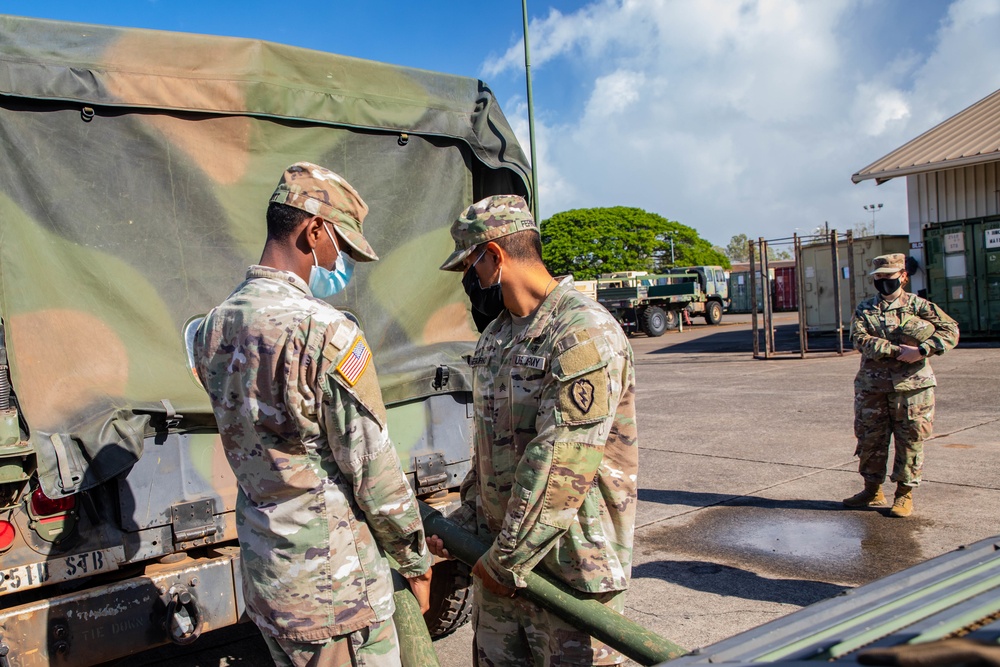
135,170
655,303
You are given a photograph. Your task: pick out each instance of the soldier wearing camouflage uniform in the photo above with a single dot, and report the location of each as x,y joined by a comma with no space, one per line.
896,333
300,413
553,482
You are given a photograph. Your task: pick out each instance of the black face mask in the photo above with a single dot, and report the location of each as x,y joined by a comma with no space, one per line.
887,286
487,303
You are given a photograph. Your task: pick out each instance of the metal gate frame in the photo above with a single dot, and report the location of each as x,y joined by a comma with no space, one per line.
759,266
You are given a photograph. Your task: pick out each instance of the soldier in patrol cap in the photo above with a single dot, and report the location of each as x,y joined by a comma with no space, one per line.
553,482
293,388
896,333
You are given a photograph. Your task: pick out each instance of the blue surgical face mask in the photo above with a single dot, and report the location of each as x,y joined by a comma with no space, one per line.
326,282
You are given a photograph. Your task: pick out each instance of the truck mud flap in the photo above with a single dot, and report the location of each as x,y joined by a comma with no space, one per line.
175,602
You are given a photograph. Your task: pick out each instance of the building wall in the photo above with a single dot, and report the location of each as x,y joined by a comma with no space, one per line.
949,195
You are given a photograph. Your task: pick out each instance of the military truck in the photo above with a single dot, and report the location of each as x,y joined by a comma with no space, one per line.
943,611
655,303
135,170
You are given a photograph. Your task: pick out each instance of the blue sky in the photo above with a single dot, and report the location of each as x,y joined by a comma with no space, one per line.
729,116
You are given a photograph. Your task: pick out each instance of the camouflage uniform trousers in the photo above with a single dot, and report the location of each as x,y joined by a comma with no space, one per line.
373,646
519,633
907,417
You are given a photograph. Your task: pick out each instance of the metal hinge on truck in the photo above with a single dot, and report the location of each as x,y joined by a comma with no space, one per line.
193,521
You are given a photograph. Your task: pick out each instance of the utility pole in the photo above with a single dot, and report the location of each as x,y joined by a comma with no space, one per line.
531,117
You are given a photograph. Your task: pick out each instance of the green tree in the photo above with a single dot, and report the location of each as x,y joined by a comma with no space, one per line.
738,249
589,241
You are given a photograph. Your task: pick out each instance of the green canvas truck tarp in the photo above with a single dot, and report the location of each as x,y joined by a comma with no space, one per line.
135,170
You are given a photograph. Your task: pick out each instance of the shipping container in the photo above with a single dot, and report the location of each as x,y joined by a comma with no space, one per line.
784,291
818,278
739,290
963,273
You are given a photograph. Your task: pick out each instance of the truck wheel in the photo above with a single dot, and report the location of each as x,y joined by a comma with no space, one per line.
654,321
451,598
673,319
713,312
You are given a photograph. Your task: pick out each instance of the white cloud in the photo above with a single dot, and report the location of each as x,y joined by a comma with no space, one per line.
744,116
877,107
613,94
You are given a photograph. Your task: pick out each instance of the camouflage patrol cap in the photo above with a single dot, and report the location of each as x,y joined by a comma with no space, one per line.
486,220
319,191
888,263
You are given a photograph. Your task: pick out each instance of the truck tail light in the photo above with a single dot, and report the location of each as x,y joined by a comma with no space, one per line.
6,535
42,505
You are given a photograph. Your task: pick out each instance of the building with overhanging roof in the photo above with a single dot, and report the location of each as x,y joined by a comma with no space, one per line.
952,176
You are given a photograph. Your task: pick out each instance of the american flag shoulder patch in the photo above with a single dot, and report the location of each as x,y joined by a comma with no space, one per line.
352,366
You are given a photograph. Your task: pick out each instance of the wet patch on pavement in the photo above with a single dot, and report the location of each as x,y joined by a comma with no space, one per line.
844,547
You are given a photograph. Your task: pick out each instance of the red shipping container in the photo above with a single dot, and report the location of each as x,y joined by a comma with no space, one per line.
785,294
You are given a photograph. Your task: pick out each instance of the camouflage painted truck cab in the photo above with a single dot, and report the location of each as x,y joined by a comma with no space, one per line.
655,304
135,169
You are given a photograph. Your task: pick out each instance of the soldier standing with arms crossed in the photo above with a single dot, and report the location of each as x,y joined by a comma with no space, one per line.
553,482
300,413
895,332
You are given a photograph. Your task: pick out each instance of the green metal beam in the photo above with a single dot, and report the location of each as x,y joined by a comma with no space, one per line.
633,640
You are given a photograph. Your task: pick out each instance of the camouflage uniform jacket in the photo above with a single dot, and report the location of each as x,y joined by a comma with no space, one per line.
556,452
875,333
321,491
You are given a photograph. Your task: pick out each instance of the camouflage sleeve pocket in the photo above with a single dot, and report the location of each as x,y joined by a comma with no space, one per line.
574,465
581,372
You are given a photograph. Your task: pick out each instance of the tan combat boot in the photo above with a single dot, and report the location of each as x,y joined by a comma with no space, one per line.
903,504
871,497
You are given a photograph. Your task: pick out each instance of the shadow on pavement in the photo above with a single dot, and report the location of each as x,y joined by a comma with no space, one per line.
698,499
735,582
740,339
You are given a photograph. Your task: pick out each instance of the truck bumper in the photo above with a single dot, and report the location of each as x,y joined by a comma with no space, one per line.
171,602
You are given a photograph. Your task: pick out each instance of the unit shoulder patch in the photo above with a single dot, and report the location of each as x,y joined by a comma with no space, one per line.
584,399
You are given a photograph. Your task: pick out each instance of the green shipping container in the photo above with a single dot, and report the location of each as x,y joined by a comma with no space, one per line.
739,291
963,273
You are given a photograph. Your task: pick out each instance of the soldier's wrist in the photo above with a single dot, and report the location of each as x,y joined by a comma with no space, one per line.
500,573
418,566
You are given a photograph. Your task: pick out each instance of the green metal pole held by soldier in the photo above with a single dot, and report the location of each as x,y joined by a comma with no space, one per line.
531,116
633,640
415,646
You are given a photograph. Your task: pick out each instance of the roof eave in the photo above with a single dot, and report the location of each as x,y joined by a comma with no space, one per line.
889,174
